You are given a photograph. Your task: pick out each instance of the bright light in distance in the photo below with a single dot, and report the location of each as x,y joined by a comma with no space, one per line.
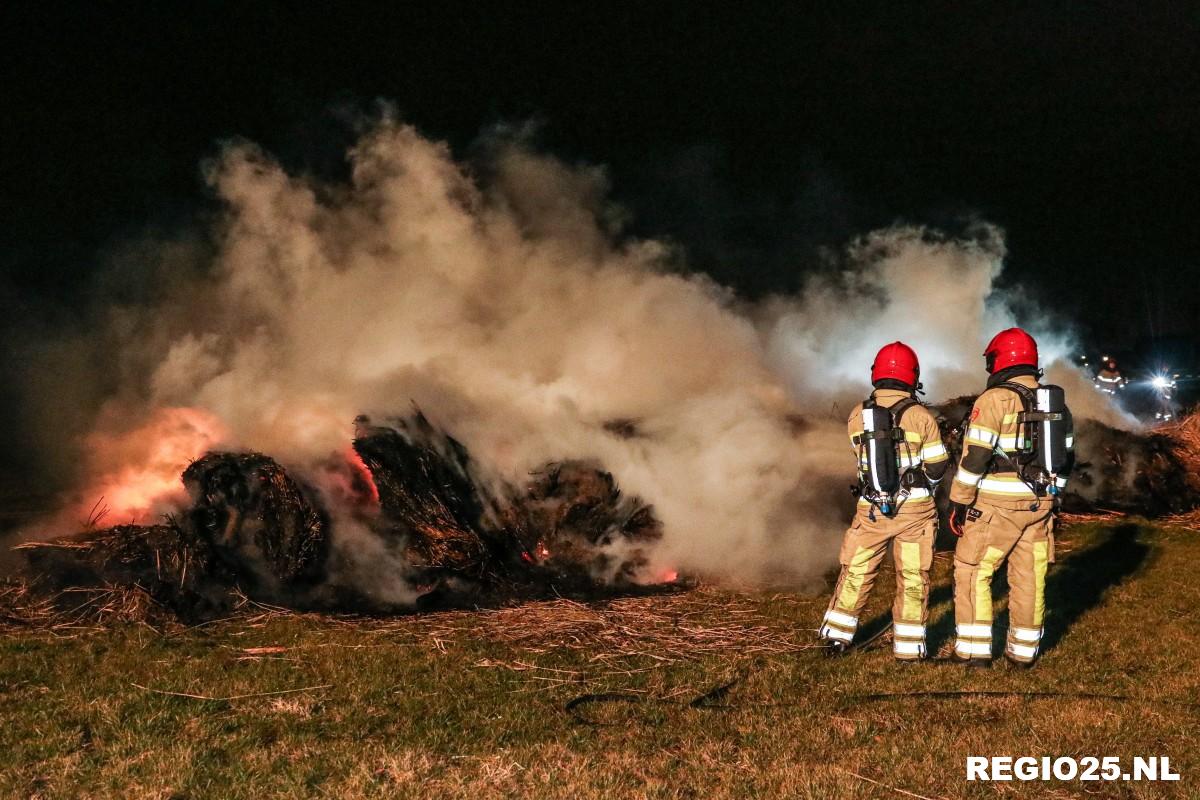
1159,382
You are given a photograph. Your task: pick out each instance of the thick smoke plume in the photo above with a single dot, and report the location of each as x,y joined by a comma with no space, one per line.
505,302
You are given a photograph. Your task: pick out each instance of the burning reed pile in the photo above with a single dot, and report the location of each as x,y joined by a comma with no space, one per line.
253,528
1153,474
570,521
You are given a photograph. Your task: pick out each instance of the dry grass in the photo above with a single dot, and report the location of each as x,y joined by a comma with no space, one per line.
88,611
1065,520
618,637
1190,520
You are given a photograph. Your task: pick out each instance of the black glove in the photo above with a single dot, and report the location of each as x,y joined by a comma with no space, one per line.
957,518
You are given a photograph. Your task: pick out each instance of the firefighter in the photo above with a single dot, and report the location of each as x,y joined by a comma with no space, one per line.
1164,387
1109,379
1002,500
905,519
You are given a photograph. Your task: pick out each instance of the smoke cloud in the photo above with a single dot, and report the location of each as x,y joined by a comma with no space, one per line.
503,299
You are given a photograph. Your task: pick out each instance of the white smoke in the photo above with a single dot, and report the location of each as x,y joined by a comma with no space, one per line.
516,314
937,295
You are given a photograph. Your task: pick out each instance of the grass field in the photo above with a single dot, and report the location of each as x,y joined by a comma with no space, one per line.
710,694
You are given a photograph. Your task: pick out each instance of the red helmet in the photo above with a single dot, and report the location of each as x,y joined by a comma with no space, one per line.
1010,348
896,361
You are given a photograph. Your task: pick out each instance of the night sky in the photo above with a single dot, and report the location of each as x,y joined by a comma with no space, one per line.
751,137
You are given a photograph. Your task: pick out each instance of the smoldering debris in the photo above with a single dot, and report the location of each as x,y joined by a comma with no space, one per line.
253,530
1144,473
249,527
586,520
570,520
1185,436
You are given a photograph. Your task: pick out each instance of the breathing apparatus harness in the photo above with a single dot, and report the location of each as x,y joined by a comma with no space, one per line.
882,482
1041,451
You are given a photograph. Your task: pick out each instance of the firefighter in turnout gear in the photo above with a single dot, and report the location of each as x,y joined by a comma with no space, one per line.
1109,379
1017,451
901,460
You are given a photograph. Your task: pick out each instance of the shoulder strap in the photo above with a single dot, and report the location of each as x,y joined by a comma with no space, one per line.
1028,402
1024,392
901,406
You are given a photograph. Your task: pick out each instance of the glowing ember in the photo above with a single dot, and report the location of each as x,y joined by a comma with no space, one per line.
539,555
670,576
362,474
136,472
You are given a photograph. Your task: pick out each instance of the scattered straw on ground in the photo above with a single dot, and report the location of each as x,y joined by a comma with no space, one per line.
626,636
79,611
72,612
1191,520
1064,519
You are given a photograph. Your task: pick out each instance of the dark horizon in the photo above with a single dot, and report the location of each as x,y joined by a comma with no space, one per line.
750,140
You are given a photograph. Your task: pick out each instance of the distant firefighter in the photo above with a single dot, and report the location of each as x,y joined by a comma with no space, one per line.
1018,449
901,459
1164,388
1109,379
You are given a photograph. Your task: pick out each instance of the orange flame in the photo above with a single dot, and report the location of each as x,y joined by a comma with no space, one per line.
136,472
362,473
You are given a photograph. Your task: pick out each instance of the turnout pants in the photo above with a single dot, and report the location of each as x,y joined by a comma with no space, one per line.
1002,532
910,535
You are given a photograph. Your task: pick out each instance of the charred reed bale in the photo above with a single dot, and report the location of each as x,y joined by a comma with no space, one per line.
428,494
258,517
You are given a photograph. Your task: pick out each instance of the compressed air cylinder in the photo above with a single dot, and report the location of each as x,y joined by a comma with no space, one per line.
879,450
1050,429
